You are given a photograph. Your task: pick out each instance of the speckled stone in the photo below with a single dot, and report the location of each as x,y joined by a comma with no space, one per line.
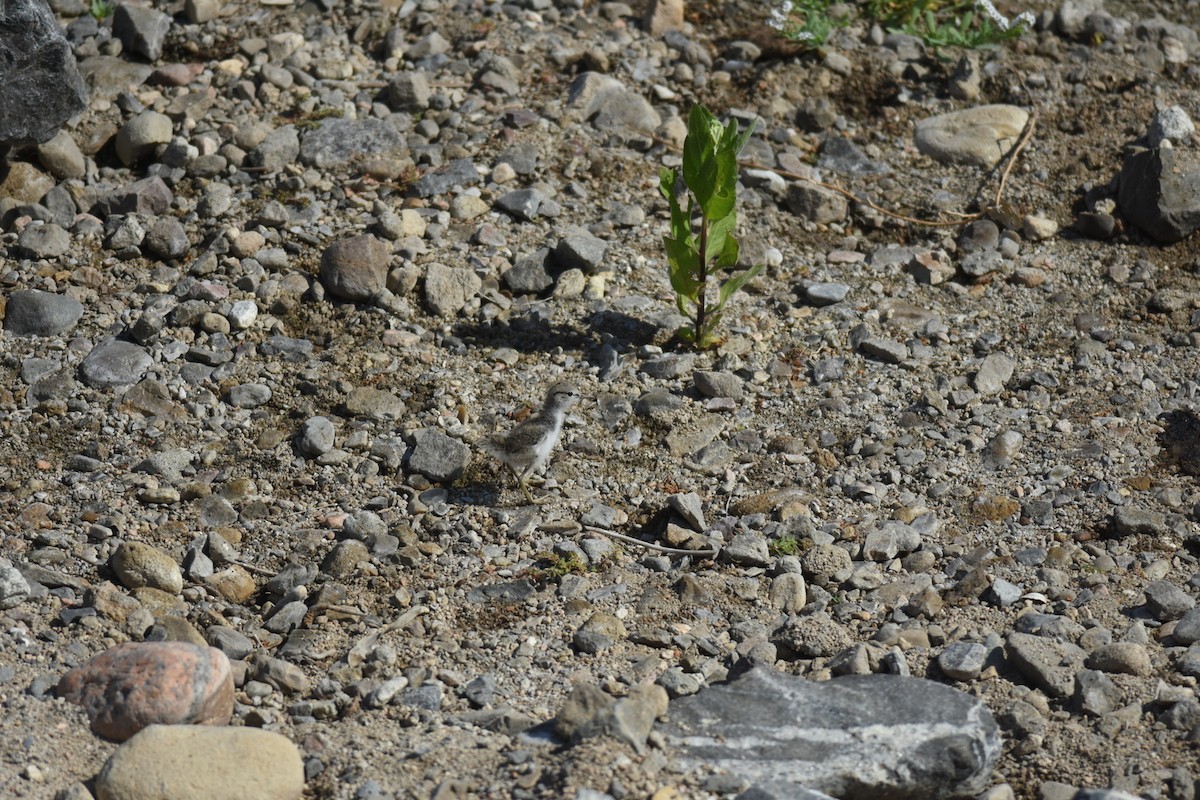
136,684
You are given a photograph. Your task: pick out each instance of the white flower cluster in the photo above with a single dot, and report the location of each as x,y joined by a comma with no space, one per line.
1002,21
779,15
780,20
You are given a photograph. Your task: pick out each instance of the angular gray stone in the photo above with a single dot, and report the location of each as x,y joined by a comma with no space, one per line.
40,86
528,274
522,203
114,362
816,204
963,661
1187,629
141,29
858,737
14,589
409,91
890,540
166,239
1160,192
448,289
355,268
993,373
883,349
36,313
1096,694
44,241
1167,601
438,457
1048,664
1133,521
277,151
718,384
148,197
316,437
140,136
338,142
457,173
580,250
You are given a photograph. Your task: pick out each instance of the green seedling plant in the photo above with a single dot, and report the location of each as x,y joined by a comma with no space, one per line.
701,242
100,9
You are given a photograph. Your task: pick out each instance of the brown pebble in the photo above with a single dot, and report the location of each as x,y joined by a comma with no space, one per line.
136,684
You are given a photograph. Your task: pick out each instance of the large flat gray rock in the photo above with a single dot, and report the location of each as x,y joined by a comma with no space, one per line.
857,738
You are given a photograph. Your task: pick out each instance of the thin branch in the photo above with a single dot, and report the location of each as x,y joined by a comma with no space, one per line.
658,548
1026,135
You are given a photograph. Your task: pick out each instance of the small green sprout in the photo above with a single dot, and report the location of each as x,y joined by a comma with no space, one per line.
701,240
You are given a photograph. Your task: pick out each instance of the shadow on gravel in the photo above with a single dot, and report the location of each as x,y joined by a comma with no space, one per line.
532,333
1180,440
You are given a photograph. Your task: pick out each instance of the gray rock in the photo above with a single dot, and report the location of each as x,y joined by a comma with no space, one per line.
338,142
438,457
409,91
669,366
61,156
598,633
580,250
890,540
249,395
1167,601
978,136
816,204
14,589
979,236
963,661
748,549
44,241
811,636
40,86
610,106
1124,658
355,268
1171,123
166,239
147,197
113,362
522,203
108,76
1002,593
278,150
1134,521
141,136
141,29
461,172
1187,629
1096,694
449,289
825,294
316,437
1160,192
718,384
856,737
688,506
1049,664
33,312
528,275
994,372
883,349
842,155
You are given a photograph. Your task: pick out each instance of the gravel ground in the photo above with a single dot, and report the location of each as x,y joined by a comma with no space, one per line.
957,433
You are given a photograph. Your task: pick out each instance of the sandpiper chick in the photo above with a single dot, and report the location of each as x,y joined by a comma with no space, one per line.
526,448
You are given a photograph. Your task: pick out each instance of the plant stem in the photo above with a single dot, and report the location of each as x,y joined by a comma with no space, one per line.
701,308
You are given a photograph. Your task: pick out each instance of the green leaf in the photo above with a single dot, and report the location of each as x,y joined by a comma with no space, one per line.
736,282
685,268
721,245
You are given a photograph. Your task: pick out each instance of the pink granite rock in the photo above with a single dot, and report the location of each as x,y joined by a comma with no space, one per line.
136,684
